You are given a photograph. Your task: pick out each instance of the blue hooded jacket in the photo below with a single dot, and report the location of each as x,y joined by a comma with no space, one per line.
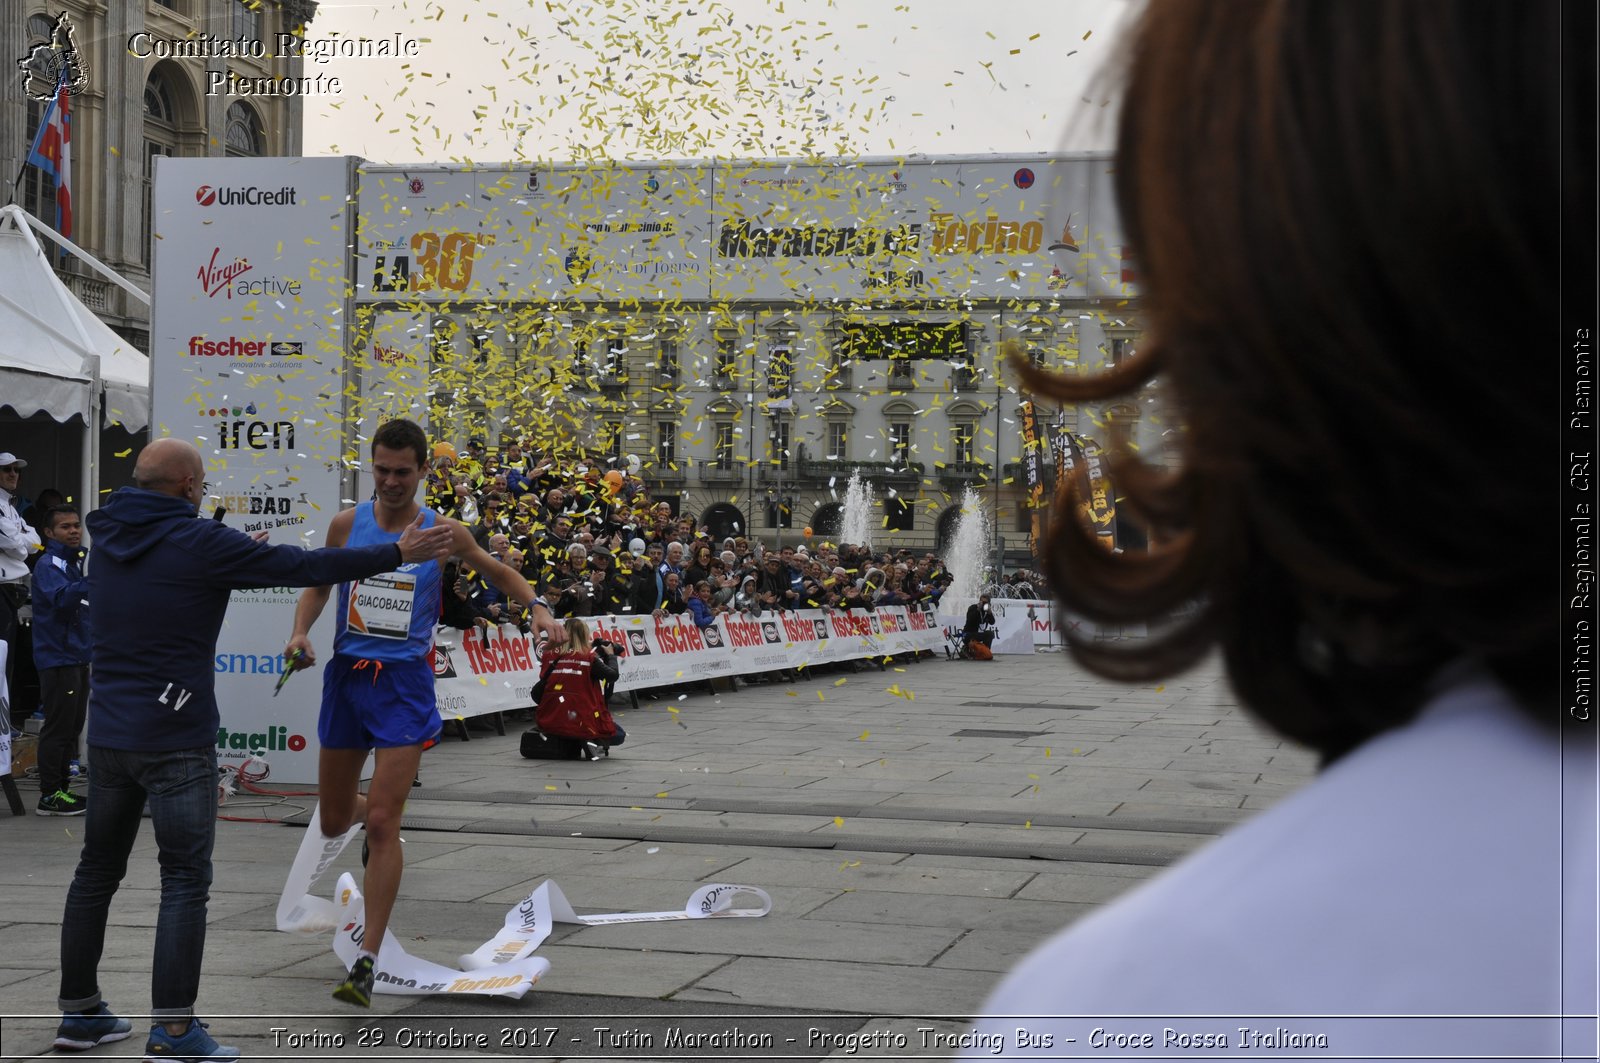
60,615
158,591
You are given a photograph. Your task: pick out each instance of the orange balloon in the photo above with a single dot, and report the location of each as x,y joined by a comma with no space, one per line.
614,477
807,532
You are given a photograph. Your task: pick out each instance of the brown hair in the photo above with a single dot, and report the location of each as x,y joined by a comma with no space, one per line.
1346,218
401,434
577,635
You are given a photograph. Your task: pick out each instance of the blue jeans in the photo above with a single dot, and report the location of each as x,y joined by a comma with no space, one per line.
181,787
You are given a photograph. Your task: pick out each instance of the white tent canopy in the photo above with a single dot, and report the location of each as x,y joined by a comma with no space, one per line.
49,342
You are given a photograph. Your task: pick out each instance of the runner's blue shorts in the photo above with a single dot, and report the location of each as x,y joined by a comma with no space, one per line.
368,704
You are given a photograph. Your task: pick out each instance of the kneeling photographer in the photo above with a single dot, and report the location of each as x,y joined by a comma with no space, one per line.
572,721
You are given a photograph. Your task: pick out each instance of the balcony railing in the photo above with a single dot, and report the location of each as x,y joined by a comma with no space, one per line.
876,471
713,471
963,472
666,474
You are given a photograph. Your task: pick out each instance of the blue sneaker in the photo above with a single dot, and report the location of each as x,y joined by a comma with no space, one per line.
195,1046
82,1030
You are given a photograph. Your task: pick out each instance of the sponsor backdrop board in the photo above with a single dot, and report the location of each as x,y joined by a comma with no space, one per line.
393,366
903,231
249,271
559,234
475,675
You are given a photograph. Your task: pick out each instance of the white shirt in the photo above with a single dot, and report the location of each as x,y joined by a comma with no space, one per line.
1433,870
18,541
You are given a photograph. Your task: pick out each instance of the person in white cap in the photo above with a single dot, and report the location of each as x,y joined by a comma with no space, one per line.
19,541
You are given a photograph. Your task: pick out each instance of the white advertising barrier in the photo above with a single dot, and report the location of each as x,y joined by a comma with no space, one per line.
1042,615
1012,634
474,674
1012,626
502,966
247,351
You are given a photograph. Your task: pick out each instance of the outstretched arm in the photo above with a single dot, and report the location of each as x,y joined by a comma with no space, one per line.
507,579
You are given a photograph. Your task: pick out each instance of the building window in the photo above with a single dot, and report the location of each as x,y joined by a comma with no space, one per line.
963,439
778,439
723,449
38,198
780,512
899,371
613,442
666,445
160,138
1121,424
838,440
898,515
616,363
725,373
146,214
900,443
669,357
244,136
247,20
1120,348
780,372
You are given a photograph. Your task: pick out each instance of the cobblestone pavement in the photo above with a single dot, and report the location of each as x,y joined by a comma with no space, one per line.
917,829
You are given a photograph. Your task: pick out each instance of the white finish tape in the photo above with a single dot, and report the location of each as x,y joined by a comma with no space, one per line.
502,966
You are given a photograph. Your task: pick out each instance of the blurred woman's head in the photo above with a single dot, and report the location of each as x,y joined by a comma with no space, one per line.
1345,219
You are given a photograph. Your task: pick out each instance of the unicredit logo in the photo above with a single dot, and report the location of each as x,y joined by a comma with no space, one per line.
246,196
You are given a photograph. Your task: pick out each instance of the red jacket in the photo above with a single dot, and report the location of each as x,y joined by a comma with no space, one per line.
572,706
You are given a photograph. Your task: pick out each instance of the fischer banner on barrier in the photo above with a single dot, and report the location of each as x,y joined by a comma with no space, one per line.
474,675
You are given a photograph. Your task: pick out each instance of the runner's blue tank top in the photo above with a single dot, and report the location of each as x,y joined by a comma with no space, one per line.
388,617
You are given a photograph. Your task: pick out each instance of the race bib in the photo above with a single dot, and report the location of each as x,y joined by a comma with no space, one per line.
380,606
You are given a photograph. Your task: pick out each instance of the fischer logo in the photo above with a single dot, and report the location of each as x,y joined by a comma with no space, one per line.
246,196
215,279
501,654
678,637
232,347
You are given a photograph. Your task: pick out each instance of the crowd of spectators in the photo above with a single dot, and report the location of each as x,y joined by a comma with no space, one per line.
593,542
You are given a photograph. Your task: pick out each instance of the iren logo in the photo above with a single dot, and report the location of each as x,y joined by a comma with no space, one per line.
255,435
